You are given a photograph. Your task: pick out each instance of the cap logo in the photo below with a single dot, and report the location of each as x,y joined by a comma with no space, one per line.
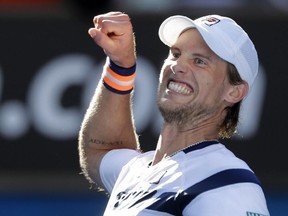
209,21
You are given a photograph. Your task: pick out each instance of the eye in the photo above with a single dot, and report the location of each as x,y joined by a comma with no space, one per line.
174,55
199,61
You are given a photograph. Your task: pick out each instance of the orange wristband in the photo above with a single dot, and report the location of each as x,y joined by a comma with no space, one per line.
118,79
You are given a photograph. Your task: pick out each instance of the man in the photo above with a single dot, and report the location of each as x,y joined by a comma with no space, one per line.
209,69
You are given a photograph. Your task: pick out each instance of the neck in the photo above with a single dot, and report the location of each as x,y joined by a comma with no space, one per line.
173,139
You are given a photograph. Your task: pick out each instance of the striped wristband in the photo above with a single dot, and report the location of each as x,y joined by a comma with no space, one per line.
118,79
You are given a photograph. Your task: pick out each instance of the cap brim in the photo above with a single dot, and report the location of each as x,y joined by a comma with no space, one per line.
172,27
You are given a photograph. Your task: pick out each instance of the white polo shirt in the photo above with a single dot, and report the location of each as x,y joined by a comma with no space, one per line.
203,180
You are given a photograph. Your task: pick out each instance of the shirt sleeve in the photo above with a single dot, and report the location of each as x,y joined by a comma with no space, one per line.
112,164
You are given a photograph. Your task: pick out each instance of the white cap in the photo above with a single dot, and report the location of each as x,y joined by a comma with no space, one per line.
224,37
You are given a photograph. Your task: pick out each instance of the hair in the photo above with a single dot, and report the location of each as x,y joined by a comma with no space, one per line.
229,125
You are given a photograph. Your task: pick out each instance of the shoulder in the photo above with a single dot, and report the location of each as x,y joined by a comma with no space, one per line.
212,158
224,184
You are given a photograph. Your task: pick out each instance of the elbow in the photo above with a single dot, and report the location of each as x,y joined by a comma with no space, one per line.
89,161
85,166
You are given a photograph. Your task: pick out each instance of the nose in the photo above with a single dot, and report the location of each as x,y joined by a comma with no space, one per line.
177,67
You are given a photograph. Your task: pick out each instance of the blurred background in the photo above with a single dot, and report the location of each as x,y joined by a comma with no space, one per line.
49,68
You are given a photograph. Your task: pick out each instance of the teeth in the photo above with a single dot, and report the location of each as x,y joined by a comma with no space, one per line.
179,88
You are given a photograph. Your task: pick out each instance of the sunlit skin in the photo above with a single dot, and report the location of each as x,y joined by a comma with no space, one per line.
194,82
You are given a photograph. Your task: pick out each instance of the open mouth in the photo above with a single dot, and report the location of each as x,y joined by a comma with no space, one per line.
179,87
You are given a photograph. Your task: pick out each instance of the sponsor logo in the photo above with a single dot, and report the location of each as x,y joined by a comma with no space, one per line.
130,199
254,214
209,21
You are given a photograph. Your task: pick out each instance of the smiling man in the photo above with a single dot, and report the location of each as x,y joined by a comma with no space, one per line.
211,65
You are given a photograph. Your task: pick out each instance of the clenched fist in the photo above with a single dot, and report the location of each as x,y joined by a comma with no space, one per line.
113,32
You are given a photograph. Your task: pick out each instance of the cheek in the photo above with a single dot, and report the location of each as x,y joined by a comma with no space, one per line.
212,89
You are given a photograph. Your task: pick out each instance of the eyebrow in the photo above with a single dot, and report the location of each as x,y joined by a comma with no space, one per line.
196,54
202,56
174,48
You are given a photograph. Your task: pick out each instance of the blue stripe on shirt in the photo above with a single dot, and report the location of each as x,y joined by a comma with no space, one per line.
174,203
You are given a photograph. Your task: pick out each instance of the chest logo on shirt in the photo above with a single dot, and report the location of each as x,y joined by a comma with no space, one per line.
129,198
136,196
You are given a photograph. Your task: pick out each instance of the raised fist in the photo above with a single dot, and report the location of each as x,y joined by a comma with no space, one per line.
113,32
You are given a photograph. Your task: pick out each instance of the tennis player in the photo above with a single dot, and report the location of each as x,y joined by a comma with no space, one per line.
210,67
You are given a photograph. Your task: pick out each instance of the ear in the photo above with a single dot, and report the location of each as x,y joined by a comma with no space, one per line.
237,92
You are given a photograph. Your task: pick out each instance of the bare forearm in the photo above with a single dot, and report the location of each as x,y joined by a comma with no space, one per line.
108,122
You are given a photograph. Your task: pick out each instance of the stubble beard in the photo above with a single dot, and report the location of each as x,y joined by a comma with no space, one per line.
185,117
